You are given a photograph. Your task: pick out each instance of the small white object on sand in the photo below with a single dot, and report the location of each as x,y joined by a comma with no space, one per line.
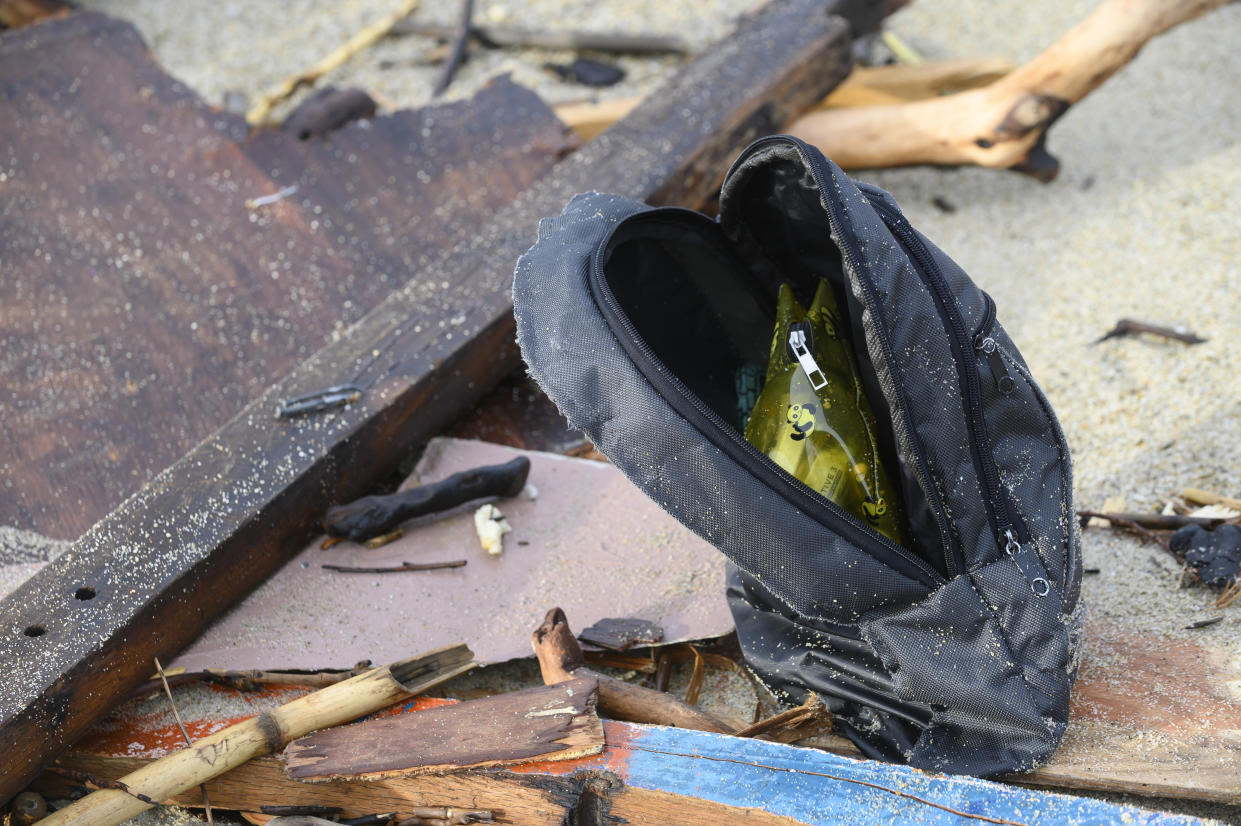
491,526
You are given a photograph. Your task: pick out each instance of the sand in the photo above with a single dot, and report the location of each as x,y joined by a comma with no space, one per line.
1142,222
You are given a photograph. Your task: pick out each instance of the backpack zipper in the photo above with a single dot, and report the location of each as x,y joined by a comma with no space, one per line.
954,559
706,420
1006,522
801,351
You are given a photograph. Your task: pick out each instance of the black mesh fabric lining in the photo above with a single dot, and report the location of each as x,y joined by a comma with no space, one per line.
971,675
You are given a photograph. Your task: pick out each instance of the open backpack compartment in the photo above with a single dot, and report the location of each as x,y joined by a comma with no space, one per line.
955,651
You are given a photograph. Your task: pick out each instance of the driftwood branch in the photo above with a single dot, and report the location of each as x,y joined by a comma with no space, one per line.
1003,125
560,658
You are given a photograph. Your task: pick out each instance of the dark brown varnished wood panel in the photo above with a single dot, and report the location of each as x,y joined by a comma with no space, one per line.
144,303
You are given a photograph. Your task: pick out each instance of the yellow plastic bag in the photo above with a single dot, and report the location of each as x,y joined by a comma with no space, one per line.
813,418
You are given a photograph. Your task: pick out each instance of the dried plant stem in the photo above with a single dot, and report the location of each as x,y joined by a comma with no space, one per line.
159,669
261,111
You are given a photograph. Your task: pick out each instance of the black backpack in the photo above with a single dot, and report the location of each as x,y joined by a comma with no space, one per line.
956,654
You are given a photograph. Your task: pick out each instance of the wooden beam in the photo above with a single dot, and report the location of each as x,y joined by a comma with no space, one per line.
212,526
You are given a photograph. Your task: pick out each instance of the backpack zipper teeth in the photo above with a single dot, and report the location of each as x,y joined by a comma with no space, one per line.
813,503
954,560
1001,515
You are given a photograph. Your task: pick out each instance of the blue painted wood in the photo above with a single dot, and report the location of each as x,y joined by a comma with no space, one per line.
816,787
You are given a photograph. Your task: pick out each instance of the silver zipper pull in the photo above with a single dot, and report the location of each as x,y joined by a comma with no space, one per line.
1031,569
991,350
797,343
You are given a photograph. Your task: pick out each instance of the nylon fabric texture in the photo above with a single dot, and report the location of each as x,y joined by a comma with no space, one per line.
957,653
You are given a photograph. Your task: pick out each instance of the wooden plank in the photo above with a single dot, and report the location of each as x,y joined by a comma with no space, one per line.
1150,715
144,303
654,774
556,722
206,530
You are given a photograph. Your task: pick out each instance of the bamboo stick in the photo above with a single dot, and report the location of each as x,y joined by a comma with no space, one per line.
266,734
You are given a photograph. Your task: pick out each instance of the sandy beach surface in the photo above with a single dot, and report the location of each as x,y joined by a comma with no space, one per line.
1144,221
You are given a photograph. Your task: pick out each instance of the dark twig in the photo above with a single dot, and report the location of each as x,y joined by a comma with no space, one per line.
310,810
159,669
1127,327
90,780
1126,522
373,516
1204,623
460,43
491,37
253,680
1143,533
1153,521
404,566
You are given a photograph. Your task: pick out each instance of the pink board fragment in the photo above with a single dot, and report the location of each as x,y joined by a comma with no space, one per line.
589,542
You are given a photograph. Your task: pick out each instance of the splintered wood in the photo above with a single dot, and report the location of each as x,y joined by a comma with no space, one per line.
542,723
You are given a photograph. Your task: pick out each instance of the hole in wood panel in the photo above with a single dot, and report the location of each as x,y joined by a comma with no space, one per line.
35,631
84,593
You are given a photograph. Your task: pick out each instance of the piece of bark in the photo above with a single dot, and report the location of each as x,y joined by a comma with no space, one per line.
265,734
326,111
219,521
542,723
560,659
621,634
1003,125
